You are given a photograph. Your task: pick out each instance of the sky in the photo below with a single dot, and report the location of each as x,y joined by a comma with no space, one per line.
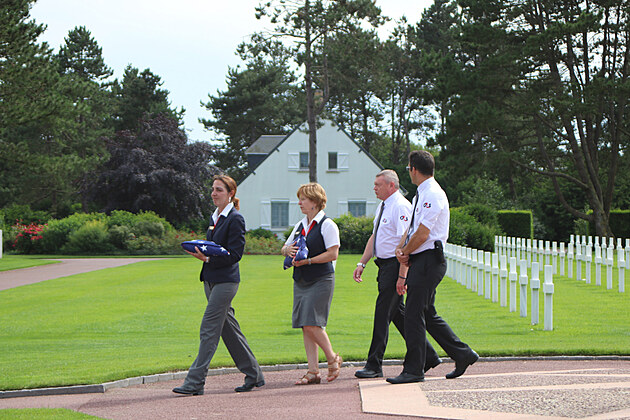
190,44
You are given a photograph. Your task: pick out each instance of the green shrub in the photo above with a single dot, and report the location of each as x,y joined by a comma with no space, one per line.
465,230
168,244
354,232
57,232
90,238
262,233
25,239
484,214
119,236
22,213
517,223
257,245
121,218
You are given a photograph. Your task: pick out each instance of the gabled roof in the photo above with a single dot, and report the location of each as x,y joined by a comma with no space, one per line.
265,144
283,139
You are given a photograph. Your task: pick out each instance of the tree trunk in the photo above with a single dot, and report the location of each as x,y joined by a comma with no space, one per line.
310,101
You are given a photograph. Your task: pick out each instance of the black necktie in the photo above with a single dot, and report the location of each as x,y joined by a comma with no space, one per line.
378,222
413,215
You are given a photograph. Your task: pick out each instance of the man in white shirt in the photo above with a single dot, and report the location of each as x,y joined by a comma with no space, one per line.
390,223
421,249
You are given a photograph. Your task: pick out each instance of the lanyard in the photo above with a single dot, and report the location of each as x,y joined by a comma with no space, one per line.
309,229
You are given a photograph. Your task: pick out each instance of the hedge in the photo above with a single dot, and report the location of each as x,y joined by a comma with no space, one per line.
517,223
121,233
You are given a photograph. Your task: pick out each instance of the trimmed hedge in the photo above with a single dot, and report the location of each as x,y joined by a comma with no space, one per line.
517,223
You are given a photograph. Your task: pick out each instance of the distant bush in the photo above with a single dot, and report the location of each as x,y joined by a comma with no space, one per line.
57,232
24,239
262,233
484,214
22,213
354,232
90,238
257,245
121,232
466,230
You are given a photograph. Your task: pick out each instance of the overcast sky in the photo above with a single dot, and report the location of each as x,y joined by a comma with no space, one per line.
188,43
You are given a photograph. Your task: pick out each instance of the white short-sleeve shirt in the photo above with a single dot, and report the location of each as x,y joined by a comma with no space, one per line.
433,212
329,230
394,222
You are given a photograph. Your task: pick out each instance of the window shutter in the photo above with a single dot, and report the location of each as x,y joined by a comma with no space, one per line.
343,161
265,214
294,161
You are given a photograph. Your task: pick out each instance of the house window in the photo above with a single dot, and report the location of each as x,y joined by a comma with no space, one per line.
303,160
356,208
279,214
332,160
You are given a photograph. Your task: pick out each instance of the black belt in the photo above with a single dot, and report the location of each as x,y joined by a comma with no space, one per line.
419,254
383,261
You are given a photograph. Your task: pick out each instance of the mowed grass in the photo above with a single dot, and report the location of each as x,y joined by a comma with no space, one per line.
13,262
43,414
144,318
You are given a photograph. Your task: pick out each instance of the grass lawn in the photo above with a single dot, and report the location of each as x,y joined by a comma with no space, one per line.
43,414
144,318
13,262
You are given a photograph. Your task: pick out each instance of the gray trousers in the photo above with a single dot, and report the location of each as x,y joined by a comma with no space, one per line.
219,322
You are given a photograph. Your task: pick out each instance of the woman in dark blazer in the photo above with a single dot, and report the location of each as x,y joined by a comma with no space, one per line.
220,276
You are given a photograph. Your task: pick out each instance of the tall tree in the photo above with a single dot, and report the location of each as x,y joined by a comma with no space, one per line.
260,99
563,70
309,25
358,79
35,165
84,72
139,95
156,169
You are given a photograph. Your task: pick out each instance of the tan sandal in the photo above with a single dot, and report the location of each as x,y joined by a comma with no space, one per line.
309,378
333,372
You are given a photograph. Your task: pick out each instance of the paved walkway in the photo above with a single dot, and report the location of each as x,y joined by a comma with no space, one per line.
67,267
512,389
535,388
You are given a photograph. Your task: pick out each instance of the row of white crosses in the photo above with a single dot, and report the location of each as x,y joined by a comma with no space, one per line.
487,274
580,250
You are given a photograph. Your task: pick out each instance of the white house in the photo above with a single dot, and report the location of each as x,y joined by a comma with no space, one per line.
279,165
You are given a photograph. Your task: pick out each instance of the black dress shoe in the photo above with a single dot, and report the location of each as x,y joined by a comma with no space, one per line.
249,386
188,391
431,365
405,378
460,367
368,373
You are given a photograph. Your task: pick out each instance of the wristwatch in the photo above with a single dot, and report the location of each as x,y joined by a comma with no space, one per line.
360,264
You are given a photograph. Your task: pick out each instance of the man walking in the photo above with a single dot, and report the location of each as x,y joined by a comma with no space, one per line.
421,249
390,223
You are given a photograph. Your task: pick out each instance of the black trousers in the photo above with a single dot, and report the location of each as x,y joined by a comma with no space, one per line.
390,307
425,273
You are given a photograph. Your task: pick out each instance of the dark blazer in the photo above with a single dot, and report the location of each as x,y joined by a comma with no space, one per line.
228,232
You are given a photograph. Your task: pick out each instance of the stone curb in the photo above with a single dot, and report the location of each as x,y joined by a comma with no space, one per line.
163,377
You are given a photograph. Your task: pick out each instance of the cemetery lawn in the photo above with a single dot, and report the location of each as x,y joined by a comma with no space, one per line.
13,262
43,414
144,318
